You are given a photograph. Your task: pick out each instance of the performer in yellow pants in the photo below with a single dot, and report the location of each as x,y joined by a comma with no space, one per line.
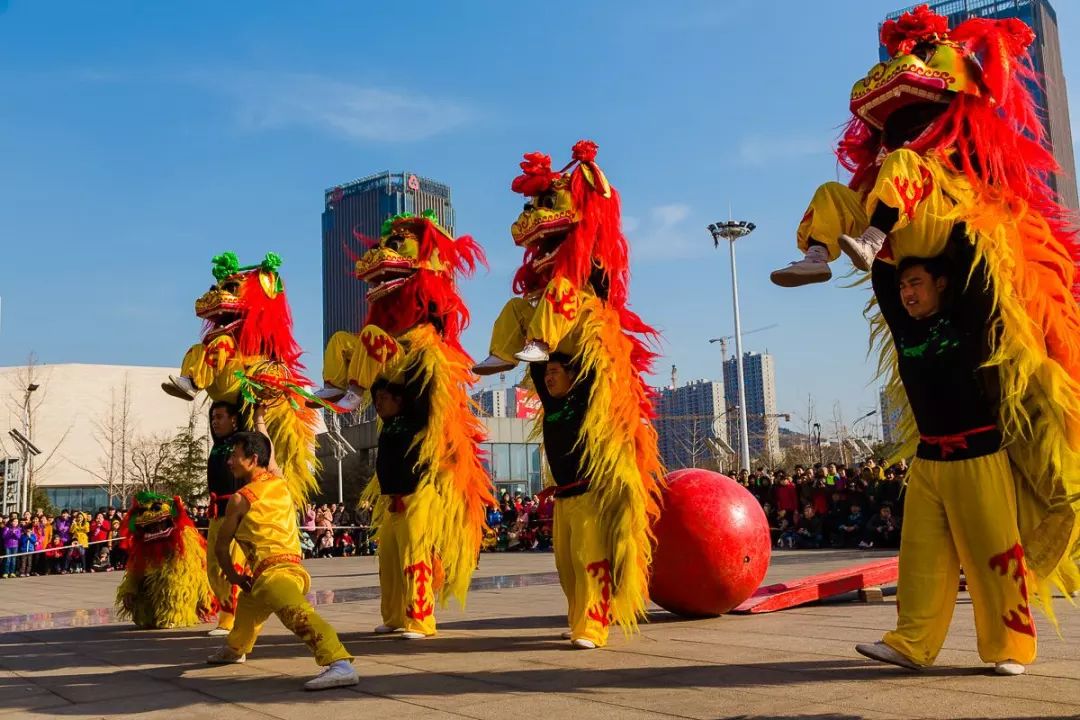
262,519
584,568
963,513
225,421
211,367
549,319
409,571
226,593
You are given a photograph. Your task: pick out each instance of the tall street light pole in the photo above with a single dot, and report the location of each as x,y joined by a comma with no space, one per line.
731,231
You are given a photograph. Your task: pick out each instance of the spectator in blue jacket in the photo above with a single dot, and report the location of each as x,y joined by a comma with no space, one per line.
27,544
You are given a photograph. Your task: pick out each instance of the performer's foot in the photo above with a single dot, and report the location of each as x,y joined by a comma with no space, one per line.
814,268
385,629
863,249
218,632
493,366
226,656
1009,667
180,387
883,653
340,673
329,392
534,351
583,644
566,635
350,401
410,635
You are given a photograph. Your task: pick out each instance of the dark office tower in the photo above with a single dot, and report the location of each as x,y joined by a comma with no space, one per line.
1046,58
361,206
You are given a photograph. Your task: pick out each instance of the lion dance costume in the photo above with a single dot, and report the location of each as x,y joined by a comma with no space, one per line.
947,151
431,491
573,287
248,351
165,582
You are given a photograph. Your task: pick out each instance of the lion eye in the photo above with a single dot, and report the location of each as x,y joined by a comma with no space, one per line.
394,242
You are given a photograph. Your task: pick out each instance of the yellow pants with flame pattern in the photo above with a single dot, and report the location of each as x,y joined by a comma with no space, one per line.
584,568
409,572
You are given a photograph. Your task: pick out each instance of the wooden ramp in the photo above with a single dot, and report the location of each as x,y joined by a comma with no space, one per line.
782,596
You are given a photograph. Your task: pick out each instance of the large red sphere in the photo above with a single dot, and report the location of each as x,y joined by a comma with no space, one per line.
712,545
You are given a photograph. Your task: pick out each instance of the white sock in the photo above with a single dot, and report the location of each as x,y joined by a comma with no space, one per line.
817,253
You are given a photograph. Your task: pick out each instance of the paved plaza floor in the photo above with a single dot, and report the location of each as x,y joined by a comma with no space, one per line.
64,655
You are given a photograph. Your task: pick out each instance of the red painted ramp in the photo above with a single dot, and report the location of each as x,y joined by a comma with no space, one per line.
782,596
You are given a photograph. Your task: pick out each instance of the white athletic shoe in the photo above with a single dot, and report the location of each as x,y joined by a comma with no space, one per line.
813,268
350,401
863,249
493,365
180,387
534,351
225,656
883,653
218,632
583,644
339,673
1009,667
409,635
329,392
385,629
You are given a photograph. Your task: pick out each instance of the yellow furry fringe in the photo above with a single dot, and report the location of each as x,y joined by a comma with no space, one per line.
1036,348
621,458
175,594
449,448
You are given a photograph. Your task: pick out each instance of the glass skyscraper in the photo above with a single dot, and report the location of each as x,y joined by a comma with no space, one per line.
360,207
1046,58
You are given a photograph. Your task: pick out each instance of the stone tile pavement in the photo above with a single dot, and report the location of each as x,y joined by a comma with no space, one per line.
62,655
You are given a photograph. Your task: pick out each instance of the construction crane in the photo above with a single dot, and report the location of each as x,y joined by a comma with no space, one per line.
723,340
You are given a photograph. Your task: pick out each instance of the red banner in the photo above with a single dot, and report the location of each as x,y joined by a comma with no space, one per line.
526,404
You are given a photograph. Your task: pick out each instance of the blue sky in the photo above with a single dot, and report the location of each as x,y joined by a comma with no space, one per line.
137,140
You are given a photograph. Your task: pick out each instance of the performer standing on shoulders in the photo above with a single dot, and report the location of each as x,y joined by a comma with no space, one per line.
261,518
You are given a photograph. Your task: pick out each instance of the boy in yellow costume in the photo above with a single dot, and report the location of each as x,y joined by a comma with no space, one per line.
587,353
262,520
973,268
430,490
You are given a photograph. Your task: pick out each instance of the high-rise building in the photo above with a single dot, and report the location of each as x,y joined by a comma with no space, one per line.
762,425
494,402
1045,55
360,207
689,419
890,418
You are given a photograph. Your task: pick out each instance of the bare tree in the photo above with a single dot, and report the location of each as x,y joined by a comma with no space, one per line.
150,461
25,403
113,432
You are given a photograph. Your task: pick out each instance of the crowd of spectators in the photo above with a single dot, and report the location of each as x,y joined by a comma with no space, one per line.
37,543
831,505
520,523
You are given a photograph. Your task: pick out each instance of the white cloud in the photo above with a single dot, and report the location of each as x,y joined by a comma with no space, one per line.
760,150
663,234
350,110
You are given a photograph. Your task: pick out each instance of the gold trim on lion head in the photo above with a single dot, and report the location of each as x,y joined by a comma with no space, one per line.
400,253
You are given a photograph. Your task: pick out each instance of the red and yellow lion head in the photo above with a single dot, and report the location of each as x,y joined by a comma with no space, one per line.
570,226
155,529
412,275
249,304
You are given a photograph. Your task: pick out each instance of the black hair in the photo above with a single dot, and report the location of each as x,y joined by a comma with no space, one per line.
231,408
565,360
936,267
253,444
395,389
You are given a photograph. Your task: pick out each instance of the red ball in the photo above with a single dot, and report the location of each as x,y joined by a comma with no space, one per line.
712,545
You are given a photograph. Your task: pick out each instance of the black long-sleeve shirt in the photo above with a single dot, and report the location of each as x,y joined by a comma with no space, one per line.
562,428
397,463
941,358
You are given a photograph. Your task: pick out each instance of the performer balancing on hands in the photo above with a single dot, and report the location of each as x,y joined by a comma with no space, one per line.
262,519
975,279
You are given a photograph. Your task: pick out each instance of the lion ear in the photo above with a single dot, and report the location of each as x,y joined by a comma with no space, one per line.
178,506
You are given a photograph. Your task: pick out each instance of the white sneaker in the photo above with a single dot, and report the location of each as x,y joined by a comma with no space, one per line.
410,635
883,653
493,365
566,635
813,268
180,387
339,673
1009,667
225,656
329,392
583,644
218,632
350,401
534,351
863,249
385,629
